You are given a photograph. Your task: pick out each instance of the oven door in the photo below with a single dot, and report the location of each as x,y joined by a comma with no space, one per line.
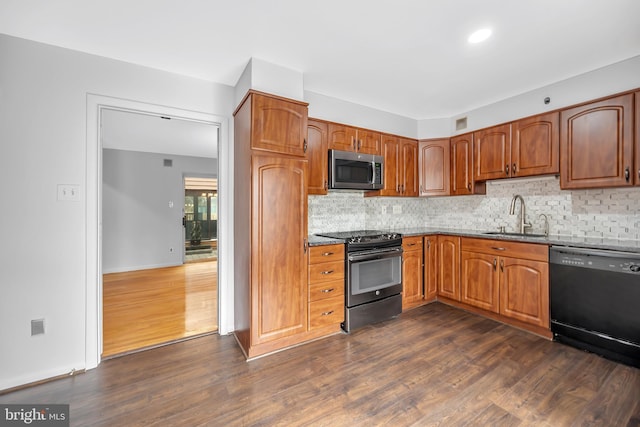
373,275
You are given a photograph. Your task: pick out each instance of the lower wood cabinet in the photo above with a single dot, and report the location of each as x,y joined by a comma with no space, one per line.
430,265
507,278
326,287
449,267
412,289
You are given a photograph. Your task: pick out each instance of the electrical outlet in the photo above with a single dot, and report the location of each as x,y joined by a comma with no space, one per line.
397,209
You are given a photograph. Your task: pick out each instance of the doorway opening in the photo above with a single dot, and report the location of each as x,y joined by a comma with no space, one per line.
200,219
150,296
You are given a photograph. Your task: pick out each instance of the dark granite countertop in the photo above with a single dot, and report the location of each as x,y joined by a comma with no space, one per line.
558,240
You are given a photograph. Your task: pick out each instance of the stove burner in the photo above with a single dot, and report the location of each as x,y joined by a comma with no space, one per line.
366,239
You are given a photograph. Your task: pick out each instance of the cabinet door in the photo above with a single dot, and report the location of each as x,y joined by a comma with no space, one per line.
637,147
479,280
430,275
278,126
412,294
492,151
391,154
342,137
278,260
535,146
434,167
317,155
369,142
408,169
461,152
524,290
596,144
449,267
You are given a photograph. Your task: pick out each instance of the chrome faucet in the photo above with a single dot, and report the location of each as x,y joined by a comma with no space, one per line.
523,218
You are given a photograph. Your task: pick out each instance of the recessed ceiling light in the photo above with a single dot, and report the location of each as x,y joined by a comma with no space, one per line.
480,35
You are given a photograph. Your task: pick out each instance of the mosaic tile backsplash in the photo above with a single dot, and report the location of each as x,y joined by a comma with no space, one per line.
604,213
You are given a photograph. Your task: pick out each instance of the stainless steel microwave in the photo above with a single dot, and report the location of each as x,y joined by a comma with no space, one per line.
355,171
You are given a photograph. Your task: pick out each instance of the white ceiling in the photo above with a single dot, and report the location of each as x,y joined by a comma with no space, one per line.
124,130
408,57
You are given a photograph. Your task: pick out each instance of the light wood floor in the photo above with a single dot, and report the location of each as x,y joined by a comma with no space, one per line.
150,307
434,365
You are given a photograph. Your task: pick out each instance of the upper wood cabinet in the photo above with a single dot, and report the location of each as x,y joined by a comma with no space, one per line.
526,147
462,181
278,125
535,145
492,151
637,147
400,167
317,154
434,167
596,144
348,138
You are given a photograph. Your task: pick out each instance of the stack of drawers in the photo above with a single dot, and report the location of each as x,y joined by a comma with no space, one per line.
326,286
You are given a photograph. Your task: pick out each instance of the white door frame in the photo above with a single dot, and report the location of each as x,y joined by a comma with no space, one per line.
95,105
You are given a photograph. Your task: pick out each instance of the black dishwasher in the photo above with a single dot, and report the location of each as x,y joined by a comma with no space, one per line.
595,301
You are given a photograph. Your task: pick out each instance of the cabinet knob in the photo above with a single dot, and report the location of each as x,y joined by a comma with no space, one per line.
627,174
506,170
513,169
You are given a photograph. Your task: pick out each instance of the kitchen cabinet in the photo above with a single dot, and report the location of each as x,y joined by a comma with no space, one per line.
479,280
492,151
526,147
348,138
412,290
637,146
317,155
449,267
326,286
434,162
270,290
462,182
596,144
535,145
430,264
508,278
400,166
278,125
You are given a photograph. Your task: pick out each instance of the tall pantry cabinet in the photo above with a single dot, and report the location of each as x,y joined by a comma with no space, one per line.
270,224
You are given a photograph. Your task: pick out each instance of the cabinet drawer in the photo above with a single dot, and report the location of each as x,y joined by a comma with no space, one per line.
326,253
326,312
326,271
324,290
505,248
413,243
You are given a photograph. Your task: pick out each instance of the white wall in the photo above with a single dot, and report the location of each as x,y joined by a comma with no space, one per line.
618,77
142,202
43,142
340,111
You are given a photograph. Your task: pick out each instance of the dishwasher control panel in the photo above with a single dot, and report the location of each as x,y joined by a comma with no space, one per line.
622,262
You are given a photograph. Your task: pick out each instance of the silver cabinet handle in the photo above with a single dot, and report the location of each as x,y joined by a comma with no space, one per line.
497,248
326,313
326,291
326,272
327,253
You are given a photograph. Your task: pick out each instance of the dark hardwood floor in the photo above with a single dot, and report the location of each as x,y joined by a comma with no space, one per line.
434,365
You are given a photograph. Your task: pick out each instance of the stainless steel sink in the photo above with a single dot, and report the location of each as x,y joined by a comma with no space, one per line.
507,233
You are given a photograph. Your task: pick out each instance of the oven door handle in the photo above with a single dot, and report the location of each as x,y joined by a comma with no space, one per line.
378,254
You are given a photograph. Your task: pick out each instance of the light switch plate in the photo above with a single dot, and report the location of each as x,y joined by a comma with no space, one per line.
68,193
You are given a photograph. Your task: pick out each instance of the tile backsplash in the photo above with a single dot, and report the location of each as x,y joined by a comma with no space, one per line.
607,213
